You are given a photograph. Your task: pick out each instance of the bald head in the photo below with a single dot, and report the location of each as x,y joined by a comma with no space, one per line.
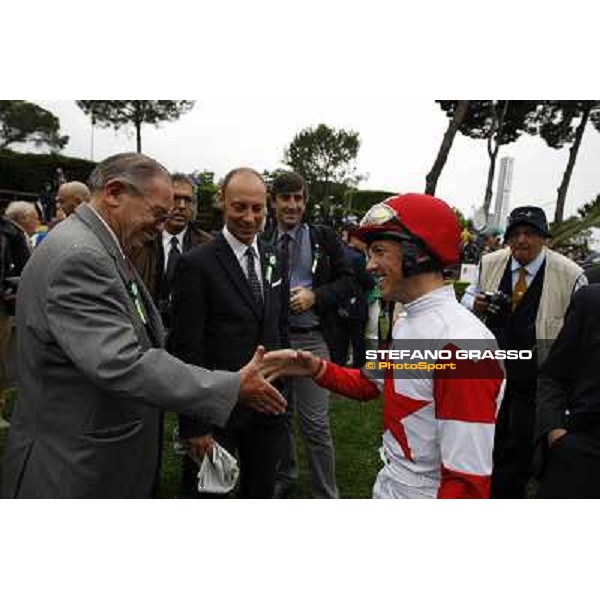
244,202
71,195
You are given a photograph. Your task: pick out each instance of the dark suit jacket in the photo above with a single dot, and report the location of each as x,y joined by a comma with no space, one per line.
593,274
216,321
92,375
150,260
569,378
14,254
333,276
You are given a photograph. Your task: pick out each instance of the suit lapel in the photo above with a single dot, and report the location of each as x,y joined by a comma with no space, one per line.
128,275
265,257
233,270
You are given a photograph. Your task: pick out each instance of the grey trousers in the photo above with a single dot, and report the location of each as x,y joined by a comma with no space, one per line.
311,403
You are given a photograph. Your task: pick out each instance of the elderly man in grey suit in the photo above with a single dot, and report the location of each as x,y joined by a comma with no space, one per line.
93,374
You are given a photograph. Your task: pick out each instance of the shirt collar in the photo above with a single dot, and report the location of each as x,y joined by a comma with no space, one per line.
435,297
238,248
166,236
533,267
109,229
293,233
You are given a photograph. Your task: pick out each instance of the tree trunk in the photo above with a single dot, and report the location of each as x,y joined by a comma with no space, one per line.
138,119
138,136
490,181
440,160
564,185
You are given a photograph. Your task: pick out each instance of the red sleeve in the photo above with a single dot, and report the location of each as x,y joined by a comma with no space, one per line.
466,404
347,382
463,485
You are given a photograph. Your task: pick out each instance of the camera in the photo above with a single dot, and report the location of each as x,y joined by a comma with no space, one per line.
498,304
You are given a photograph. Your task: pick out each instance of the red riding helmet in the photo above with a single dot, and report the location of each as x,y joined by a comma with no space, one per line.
417,218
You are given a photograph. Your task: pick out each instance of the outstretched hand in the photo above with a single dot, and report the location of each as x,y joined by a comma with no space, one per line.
255,391
299,363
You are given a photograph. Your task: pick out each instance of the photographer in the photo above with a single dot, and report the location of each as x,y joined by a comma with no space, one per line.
14,253
522,294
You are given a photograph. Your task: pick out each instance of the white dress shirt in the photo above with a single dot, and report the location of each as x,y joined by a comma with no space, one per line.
166,242
239,250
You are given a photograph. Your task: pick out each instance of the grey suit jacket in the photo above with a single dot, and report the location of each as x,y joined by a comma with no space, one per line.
93,377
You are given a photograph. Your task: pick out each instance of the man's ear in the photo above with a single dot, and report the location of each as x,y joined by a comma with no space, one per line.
113,190
220,200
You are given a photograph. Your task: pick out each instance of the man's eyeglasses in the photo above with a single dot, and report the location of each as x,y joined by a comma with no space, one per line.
160,214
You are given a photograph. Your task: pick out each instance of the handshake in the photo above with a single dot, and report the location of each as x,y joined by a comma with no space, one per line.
256,389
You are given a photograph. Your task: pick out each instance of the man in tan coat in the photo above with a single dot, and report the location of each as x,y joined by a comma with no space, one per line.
536,286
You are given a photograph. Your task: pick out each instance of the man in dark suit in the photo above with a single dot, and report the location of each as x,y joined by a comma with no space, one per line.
158,258
321,279
93,375
568,404
228,297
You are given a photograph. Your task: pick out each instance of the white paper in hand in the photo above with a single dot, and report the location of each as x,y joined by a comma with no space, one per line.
218,472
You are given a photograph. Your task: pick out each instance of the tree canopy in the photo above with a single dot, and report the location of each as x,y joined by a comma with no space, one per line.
123,113
562,122
500,122
22,122
325,157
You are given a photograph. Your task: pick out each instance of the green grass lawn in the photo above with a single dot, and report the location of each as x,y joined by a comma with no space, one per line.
356,431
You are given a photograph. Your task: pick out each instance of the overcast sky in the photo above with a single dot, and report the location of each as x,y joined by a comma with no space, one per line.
399,141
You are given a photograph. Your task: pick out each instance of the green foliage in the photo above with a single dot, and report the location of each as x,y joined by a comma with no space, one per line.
30,172
208,216
325,157
556,120
123,113
482,118
270,176
460,287
22,122
592,207
499,122
562,122
461,218
575,231
360,201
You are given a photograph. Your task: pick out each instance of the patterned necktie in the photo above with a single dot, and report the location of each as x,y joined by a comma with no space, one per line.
174,256
285,255
252,277
520,288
